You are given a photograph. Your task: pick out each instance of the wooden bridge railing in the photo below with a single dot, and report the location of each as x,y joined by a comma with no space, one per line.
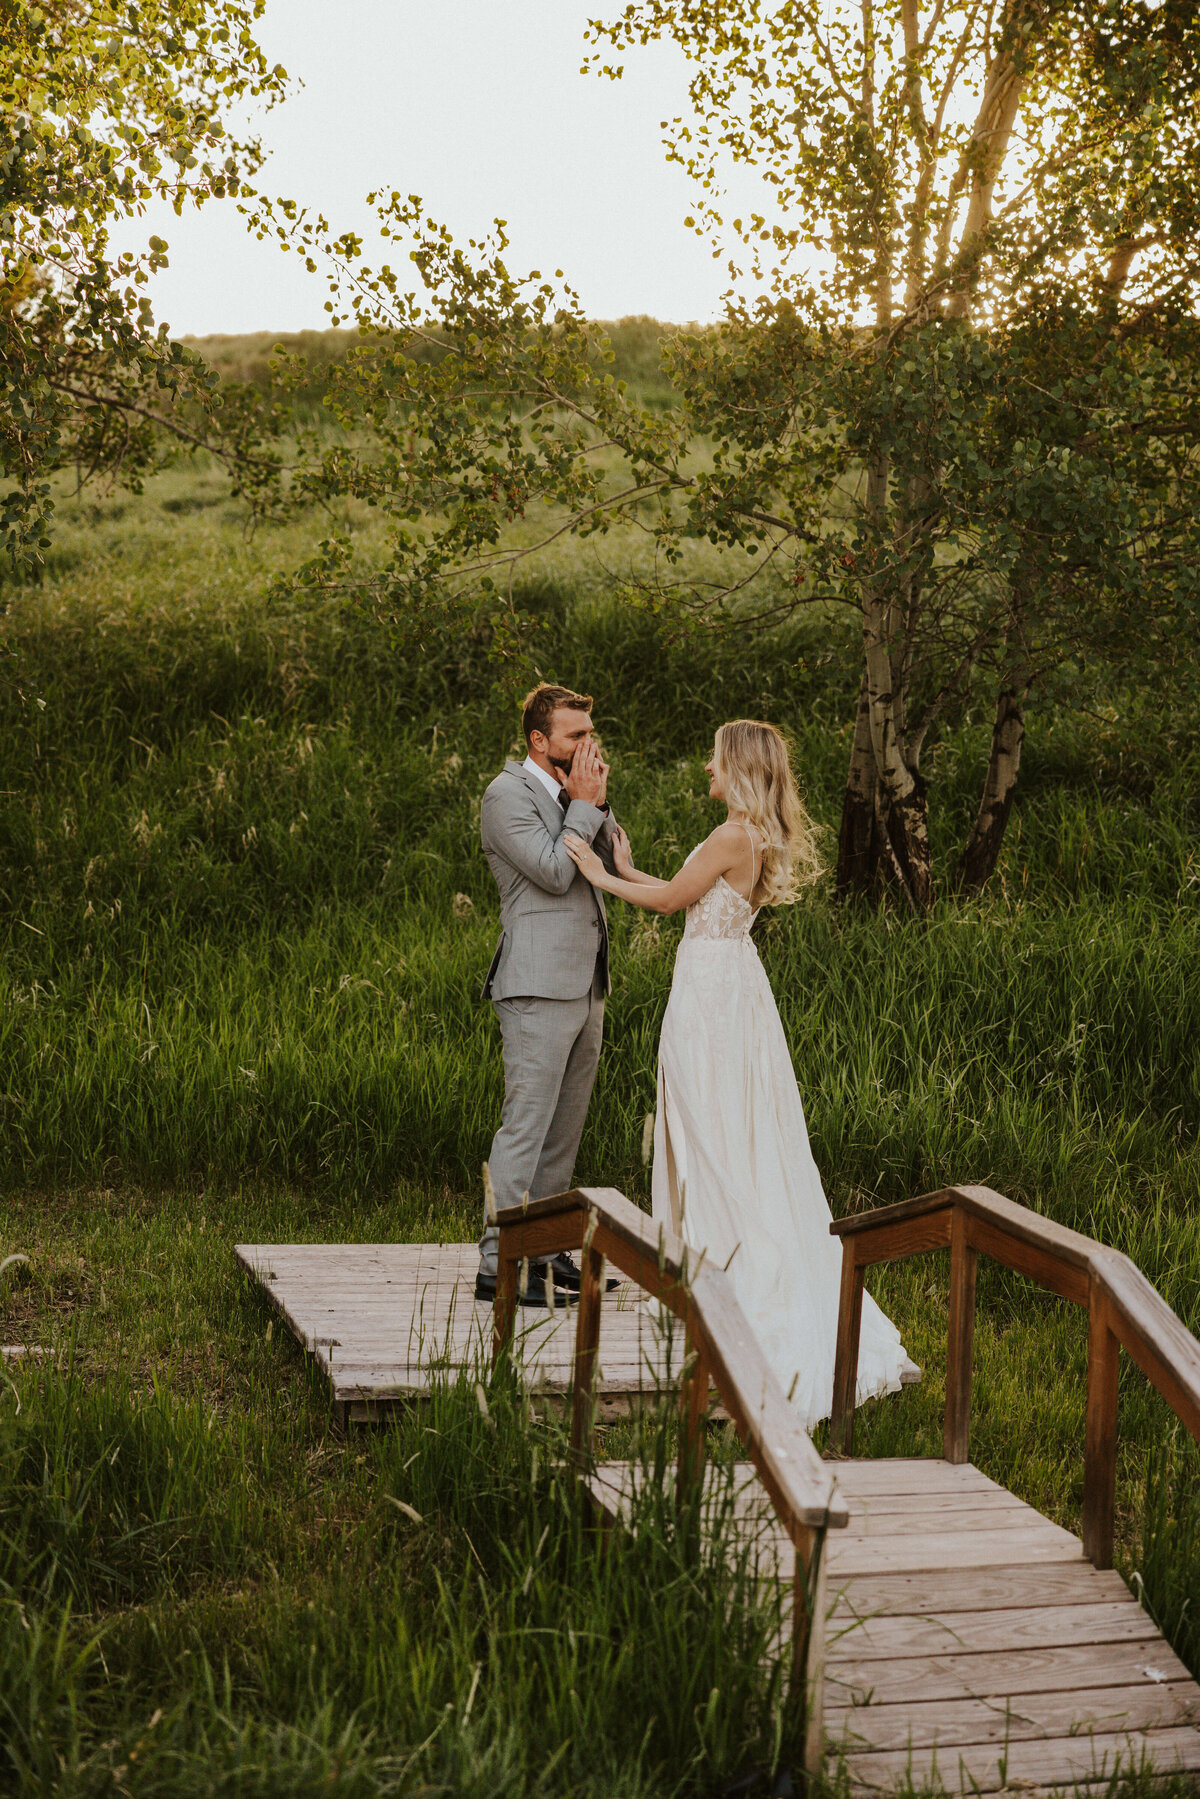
721,1349
1124,1311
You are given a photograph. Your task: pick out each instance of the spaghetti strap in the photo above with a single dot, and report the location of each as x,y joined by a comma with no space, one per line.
755,852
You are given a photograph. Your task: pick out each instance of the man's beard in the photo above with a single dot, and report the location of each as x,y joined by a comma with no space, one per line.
561,763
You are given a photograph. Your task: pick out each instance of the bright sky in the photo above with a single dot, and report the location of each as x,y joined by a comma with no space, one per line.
479,107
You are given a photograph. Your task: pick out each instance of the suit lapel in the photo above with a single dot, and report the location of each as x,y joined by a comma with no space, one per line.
554,816
549,808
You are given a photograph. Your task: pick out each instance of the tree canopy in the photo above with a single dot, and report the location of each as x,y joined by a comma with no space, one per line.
955,391
108,105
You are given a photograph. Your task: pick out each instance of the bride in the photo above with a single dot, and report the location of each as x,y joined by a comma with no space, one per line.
733,1171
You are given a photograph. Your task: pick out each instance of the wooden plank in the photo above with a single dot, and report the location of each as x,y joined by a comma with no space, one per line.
424,1374
889,1242
956,1432
930,1505
984,1589
539,1237
693,1403
1024,1225
1031,1255
852,1554
1013,1627
1054,1760
313,1257
1100,1445
412,1327
1094,1788
910,1474
385,1305
357,1384
379,1406
879,1556
1014,1718
919,1207
415,1311
808,1647
845,1357
399,1261
414,1335
587,1343
1159,1342
615,1482
930,1520
986,1674
354,1380
411,1308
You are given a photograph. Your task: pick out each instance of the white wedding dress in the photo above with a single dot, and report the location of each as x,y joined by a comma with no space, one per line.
733,1171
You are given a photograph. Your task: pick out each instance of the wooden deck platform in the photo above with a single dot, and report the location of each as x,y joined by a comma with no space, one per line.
970,1642
382,1319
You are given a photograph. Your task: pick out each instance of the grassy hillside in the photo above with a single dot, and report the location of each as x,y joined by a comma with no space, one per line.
247,358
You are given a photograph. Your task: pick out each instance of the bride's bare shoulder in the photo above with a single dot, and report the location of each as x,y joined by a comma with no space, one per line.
728,840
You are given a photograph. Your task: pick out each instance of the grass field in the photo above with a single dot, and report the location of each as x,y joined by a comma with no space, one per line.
244,920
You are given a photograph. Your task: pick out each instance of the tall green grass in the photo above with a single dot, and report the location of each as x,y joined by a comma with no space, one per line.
200,1602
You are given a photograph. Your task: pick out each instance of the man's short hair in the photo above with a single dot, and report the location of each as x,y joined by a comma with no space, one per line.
540,706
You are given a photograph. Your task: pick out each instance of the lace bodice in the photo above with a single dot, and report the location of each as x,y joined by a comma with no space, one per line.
720,915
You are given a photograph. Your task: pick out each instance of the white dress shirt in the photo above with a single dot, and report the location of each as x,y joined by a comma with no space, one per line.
553,787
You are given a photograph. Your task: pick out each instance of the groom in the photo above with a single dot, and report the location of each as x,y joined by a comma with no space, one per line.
549,976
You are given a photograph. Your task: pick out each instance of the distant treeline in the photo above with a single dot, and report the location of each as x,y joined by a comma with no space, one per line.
635,343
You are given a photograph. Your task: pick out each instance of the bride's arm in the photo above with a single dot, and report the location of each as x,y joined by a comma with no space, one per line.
716,856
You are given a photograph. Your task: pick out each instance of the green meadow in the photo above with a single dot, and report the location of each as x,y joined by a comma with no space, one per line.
244,919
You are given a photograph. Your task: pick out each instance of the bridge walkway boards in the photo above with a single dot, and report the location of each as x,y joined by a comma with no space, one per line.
384,1321
968,1640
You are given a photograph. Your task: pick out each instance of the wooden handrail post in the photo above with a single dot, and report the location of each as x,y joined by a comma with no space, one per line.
1124,1312
587,1344
504,1306
1100,1448
693,1404
964,1262
808,1644
845,1365
724,1350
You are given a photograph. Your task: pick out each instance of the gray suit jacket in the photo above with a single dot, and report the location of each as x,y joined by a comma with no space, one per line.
553,921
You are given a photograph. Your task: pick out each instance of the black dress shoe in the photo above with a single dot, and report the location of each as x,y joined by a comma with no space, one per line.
567,1276
533,1293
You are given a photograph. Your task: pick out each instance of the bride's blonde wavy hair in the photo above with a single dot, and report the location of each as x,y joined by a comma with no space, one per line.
755,772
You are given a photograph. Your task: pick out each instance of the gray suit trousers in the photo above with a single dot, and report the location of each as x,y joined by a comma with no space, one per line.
551,1051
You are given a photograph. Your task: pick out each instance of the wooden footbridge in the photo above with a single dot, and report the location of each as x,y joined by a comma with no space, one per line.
944,1630
945,1633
